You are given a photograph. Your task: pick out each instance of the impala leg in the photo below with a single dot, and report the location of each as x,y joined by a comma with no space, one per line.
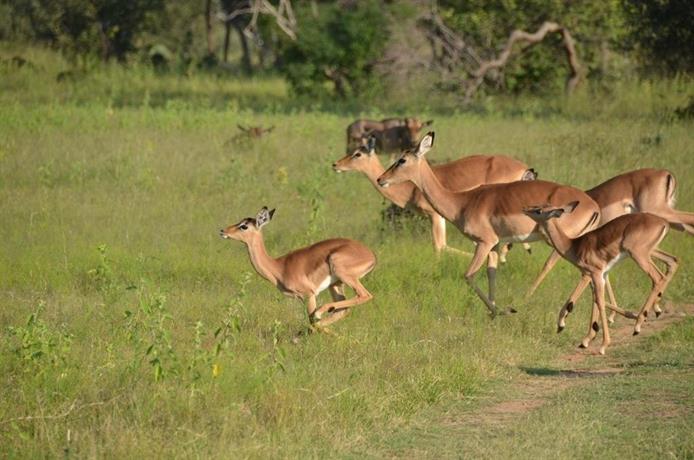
503,252
549,264
438,232
613,304
569,305
337,291
646,264
672,264
599,285
342,305
593,326
660,282
481,252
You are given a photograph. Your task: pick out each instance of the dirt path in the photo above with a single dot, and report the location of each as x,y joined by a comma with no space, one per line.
541,384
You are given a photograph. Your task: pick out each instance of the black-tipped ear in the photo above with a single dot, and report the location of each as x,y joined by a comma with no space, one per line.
263,217
272,213
371,144
425,144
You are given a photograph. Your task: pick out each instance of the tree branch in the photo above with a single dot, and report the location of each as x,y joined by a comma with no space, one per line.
530,38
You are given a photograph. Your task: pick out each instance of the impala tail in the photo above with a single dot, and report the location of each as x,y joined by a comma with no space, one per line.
530,174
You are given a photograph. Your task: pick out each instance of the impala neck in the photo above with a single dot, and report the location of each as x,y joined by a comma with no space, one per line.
559,240
446,202
264,264
400,194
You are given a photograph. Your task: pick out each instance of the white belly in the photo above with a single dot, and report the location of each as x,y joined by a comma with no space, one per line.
325,283
613,262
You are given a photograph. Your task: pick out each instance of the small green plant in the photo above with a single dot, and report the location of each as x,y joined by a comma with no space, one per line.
39,343
147,327
102,275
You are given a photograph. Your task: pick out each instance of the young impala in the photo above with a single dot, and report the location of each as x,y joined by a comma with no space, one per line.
643,190
490,214
305,272
463,174
596,252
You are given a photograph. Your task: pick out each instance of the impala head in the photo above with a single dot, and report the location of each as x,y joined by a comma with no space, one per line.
407,166
249,227
359,158
543,213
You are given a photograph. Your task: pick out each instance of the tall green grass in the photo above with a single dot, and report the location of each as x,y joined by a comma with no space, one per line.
129,324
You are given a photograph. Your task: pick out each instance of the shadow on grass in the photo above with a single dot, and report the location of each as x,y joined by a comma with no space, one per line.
570,373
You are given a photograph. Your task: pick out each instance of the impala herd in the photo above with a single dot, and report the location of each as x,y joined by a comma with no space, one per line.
494,201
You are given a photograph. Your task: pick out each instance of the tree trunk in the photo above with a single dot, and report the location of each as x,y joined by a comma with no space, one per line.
208,26
246,56
227,35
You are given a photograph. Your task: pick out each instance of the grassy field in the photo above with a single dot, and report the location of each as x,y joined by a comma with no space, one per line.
130,329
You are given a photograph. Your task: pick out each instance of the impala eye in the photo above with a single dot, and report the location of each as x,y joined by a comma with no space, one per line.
358,154
401,161
243,227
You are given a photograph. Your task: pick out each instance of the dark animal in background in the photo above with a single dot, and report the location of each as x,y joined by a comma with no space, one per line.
392,134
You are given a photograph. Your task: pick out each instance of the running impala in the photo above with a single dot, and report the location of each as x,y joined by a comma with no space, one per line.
463,174
643,190
305,272
596,252
490,214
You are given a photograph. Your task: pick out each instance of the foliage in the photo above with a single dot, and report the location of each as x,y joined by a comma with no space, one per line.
107,28
335,52
662,33
594,24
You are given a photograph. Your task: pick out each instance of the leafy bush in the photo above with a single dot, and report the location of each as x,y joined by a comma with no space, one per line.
335,51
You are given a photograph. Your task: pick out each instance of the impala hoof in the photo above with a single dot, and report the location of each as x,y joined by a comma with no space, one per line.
658,313
636,333
559,329
580,345
602,351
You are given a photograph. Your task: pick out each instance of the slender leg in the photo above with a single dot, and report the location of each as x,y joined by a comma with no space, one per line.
337,292
569,305
503,252
438,232
527,248
613,299
593,326
549,264
481,252
671,264
362,296
492,264
311,306
660,281
600,301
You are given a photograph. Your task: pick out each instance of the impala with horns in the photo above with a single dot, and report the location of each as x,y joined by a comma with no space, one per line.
490,214
392,134
595,253
305,272
463,174
643,190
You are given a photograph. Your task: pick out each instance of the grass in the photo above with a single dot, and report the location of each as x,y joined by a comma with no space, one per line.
130,329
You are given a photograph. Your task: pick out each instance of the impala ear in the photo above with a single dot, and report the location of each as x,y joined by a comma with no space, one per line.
264,216
425,144
571,207
371,145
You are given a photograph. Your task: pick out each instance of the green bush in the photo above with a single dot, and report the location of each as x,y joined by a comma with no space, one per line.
335,52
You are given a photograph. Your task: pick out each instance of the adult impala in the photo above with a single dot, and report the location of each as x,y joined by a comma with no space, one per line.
643,190
305,272
490,214
462,174
595,253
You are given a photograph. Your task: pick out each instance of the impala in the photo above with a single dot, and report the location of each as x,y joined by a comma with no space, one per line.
595,253
643,190
463,174
490,214
392,134
305,272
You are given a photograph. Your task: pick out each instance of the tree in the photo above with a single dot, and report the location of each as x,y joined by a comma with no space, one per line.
336,44
662,33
